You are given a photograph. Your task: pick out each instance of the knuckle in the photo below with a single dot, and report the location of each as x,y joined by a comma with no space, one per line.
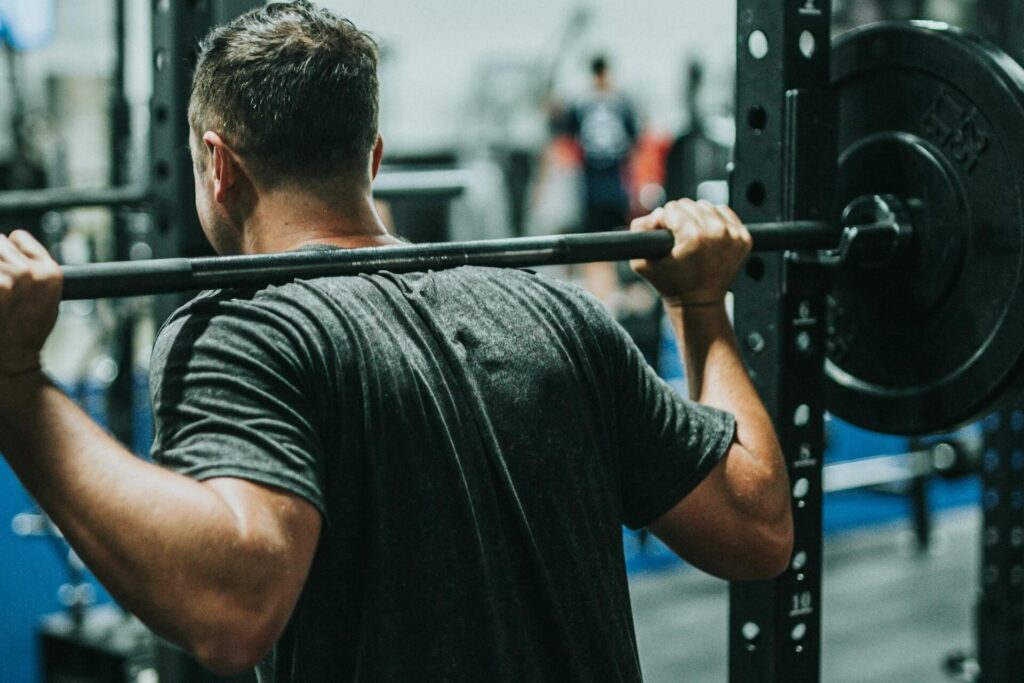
41,275
18,271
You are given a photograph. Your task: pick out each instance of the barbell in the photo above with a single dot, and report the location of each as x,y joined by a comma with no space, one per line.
161,276
926,310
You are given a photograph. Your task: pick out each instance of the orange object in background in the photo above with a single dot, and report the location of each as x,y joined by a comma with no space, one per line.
565,152
647,177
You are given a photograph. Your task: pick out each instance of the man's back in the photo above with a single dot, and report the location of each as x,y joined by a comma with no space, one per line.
475,439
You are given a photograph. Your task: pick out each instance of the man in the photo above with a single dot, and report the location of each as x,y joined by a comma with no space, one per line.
390,477
604,125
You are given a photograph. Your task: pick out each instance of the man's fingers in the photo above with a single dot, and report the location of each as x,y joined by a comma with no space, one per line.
29,246
714,225
728,214
694,221
737,230
733,227
652,221
687,214
12,259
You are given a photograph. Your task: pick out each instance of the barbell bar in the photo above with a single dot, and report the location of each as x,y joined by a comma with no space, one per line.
162,276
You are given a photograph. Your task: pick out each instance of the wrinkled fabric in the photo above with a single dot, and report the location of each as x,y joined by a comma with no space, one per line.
474,439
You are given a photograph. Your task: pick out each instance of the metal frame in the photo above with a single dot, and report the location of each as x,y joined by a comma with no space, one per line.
390,184
178,25
999,616
1000,609
784,168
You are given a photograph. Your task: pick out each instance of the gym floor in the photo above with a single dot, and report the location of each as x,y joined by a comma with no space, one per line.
890,614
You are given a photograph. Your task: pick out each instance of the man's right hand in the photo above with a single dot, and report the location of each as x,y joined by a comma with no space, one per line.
711,244
30,289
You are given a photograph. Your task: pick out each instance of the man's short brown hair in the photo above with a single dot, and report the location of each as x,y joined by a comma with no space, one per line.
293,88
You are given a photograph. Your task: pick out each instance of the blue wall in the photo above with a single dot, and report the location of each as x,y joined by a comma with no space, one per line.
33,569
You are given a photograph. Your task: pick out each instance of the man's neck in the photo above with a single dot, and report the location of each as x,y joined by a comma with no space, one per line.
285,220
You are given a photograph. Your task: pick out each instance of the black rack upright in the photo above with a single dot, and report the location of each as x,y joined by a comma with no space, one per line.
784,169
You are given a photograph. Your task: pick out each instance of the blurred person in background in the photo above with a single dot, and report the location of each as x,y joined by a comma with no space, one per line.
603,123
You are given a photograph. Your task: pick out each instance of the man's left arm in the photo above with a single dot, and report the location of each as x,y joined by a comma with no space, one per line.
215,566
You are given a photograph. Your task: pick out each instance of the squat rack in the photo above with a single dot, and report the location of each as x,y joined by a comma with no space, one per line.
784,169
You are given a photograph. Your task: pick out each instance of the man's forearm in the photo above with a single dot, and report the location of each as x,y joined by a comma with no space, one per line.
168,548
715,372
717,377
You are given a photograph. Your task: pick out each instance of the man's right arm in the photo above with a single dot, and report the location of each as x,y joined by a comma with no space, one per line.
737,523
215,566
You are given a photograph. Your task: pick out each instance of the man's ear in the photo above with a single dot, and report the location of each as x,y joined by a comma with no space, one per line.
378,154
225,165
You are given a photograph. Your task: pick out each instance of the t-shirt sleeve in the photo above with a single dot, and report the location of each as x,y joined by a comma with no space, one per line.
667,443
232,397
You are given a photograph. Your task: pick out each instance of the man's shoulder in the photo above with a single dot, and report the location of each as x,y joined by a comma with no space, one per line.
222,313
553,297
203,308
528,279
245,302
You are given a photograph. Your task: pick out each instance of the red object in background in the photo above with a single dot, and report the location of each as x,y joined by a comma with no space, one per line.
565,152
647,172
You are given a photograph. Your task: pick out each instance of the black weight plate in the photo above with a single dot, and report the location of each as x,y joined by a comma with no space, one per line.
934,114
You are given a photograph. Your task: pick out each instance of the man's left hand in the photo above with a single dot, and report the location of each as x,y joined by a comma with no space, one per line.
30,289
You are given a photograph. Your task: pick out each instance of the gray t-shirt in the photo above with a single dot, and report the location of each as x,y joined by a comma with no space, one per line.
474,438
